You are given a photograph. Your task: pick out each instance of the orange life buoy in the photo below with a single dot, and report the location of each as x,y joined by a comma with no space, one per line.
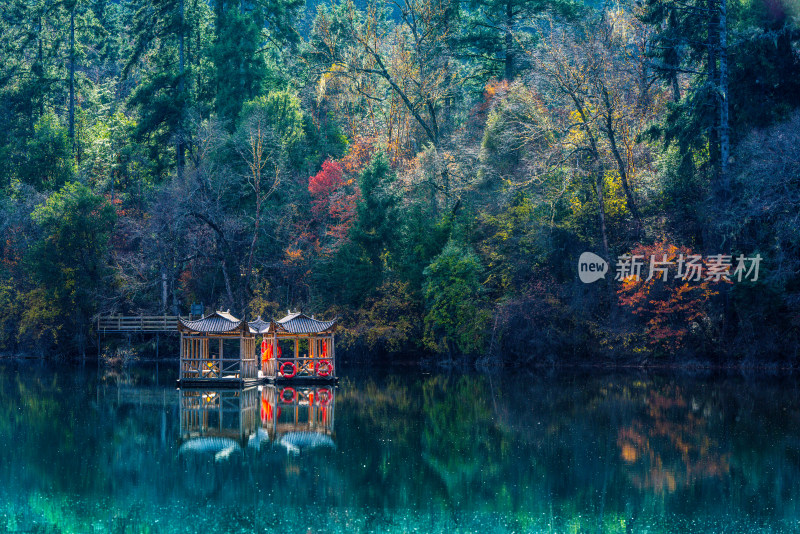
291,371
324,368
323,396
292,395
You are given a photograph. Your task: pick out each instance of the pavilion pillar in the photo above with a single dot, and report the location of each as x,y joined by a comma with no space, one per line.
274,360
183,356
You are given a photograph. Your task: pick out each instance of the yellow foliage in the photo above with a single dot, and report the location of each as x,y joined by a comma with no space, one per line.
615,204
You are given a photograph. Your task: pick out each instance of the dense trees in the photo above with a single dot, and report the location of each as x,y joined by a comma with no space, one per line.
429,170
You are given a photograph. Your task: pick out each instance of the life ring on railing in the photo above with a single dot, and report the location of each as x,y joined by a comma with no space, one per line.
323,396
292,395
292,369
324,368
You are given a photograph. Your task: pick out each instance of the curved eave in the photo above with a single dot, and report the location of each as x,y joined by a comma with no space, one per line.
213,325
303,326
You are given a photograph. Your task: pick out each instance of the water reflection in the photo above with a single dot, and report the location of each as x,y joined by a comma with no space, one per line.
298,419
86,451
222,423
670,444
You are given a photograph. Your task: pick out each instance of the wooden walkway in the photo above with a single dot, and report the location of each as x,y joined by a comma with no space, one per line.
112,324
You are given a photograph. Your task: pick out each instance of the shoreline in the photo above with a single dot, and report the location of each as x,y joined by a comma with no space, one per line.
699,366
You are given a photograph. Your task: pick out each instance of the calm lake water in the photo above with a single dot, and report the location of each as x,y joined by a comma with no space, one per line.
96,450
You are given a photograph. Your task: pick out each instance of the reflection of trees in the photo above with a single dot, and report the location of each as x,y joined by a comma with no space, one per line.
460,439
572,453
671,444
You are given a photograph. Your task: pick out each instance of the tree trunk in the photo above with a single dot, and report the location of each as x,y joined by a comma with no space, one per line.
612,140
724,121
181,149
72,78
597,170
676,89
598,184
713,78
508,72
164,290
228,289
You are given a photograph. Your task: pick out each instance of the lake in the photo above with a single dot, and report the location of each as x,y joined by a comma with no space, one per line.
103,450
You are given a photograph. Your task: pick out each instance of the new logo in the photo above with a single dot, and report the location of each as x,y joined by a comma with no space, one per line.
591,267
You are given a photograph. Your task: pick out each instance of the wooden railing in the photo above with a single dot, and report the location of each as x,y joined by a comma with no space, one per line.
138,323
194,368
303,367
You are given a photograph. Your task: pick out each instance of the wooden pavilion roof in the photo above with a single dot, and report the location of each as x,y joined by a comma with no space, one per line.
295,323
218,322
259,325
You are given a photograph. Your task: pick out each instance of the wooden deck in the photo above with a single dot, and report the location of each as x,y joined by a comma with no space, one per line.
221,383
114,324
301,380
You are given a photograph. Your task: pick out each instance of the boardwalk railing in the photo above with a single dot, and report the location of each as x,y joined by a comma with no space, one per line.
138,323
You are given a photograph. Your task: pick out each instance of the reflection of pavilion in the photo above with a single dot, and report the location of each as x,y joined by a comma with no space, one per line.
222,422
218,422
298,419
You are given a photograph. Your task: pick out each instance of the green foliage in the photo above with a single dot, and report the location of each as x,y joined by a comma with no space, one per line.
280,114
238,54
455,318
368,253
376,228
240,68
496,33
112,161
390,321
69,262
49,163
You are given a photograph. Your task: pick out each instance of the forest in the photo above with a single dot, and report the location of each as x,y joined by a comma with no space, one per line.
428,171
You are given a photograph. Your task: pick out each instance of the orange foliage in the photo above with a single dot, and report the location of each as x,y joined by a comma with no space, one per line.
670,447
293,255
185,280
669,307
359,155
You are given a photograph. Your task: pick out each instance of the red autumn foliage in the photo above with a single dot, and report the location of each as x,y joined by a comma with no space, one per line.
324,184
669,308
334,199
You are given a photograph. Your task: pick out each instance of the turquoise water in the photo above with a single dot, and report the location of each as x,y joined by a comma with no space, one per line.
94,450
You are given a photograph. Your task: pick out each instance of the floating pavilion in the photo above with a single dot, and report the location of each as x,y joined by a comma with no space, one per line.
311,351
203,355
208,355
